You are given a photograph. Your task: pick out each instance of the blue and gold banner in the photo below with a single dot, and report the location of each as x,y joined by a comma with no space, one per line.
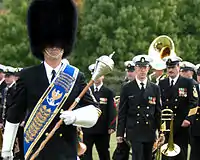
48,106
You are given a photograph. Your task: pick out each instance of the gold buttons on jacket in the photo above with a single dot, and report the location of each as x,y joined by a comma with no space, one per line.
147,107
61,110
197,119
167,100
60,135
167,107
138,107
137,122
175,107
147,115
147,122
46,134
176,100
138,114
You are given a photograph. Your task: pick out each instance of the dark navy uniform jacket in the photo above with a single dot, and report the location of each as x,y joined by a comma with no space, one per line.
30,87
139,114
182,98
195,128
107,120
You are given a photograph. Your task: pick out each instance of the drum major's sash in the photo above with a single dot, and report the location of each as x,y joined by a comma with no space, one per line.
48,106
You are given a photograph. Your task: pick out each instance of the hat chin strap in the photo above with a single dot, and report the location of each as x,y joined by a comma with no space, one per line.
53,56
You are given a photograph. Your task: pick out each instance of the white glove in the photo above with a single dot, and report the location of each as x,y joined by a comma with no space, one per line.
82,117
9,140
68,117
7,155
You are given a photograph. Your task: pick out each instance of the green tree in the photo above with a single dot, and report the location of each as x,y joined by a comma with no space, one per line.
127,27
189,30
13,39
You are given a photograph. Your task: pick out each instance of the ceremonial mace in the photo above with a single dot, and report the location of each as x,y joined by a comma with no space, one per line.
103,66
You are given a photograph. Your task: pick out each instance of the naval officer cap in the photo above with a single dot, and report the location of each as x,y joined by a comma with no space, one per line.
172,60
187,66
9,71
198,69
129,66
142,60
18,71
91,68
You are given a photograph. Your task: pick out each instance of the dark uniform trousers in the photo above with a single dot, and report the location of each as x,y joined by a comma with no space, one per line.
102,145
195,134
29,88
139,115
181,99
98,134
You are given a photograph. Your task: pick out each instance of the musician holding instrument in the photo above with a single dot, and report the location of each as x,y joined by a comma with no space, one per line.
139,111
44,92
158,67
180,95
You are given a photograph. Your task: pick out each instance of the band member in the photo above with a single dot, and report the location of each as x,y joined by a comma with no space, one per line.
52,29
195,127
8,90
130,71
106,124
122,150
2,86
180,95
187,70
158,74
139,111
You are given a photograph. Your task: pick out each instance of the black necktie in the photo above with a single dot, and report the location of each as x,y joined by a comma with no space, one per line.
53,75
142,86
172,82
96,89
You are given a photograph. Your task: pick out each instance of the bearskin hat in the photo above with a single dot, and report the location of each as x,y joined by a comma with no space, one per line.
51,23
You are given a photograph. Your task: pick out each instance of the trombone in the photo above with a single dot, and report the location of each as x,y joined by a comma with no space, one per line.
169,149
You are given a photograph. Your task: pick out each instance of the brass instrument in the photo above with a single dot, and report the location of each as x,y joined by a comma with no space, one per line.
169,149
116,100
81,146
162,47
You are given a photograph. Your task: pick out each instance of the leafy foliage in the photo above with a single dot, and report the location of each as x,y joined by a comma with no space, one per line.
126,27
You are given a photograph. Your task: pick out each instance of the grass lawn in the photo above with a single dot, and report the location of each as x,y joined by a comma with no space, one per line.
113,146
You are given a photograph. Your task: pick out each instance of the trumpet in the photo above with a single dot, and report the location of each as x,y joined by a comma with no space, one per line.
169,149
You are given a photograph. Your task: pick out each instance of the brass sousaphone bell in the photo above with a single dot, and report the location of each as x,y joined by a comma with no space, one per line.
162,47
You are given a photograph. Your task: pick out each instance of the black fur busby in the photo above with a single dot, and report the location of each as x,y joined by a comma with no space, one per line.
52,23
